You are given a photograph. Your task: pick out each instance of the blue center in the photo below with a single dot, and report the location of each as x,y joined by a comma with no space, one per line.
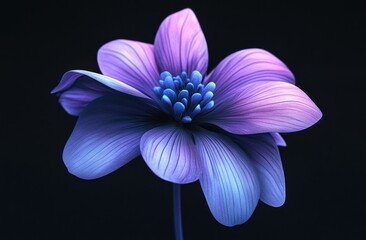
184,97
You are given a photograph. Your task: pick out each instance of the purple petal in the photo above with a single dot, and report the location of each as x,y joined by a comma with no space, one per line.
107,135
263,152
262,107
78,88
180,44
131,62
247,66
228,179
170,153
279,139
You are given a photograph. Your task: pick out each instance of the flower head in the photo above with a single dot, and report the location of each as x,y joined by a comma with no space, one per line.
156,101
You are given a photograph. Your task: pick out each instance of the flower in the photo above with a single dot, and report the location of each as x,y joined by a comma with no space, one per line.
156,100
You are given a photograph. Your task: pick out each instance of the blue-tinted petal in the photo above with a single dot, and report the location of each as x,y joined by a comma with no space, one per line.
170,153
263,152
229,180
106,136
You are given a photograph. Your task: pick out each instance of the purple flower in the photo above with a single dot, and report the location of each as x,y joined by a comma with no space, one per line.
156,100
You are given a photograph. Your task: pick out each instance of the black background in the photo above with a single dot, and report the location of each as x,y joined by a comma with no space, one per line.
324,45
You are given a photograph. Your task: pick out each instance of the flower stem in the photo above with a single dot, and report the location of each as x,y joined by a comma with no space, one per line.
177,212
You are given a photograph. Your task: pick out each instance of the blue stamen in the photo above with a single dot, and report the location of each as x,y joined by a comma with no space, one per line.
184,76
209,87
199,88
185,101
184,97
196,78
179,109
186,119
166,102
190,87
195,99
208,106
168,81
196,111
171,94
176,84
165,74
207,97
183,94
158,91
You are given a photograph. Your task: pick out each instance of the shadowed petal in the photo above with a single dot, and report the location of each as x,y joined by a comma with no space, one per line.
261,107
263,152
279,139
170,153
131,62
228,179
78,88
180,44
106,136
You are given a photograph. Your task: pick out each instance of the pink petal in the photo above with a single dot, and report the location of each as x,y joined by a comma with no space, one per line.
180,44
261,107
247,66
130,62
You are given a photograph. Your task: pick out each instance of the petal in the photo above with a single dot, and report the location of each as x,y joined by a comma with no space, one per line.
78,88
279,139
247,66
228,179
131,62
263,152
180,44
106,136
264,107
170,153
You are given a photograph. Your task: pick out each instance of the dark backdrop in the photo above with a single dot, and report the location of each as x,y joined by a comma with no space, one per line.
324,165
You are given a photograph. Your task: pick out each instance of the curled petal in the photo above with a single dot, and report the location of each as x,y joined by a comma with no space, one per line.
262,107
78,88
106,136
229,180
279,139
180,44
170,153
130,62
